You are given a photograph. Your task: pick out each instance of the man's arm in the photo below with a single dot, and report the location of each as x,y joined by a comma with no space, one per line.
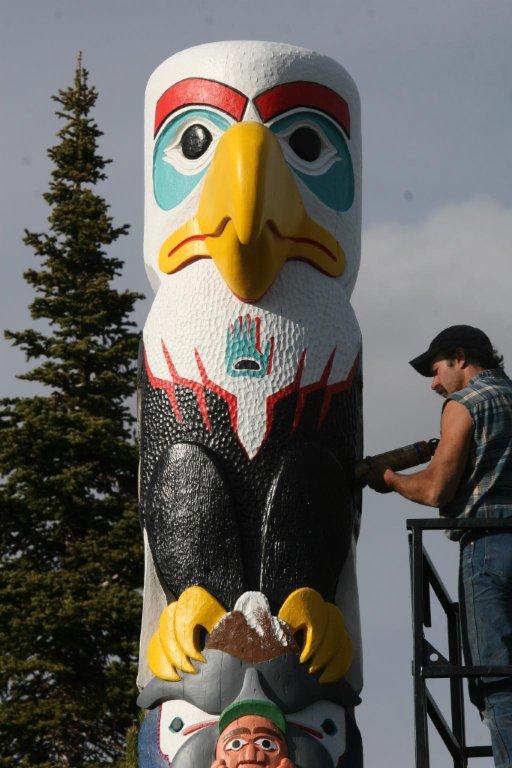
436,485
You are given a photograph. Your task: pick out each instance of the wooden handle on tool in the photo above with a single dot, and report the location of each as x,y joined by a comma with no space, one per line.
397,459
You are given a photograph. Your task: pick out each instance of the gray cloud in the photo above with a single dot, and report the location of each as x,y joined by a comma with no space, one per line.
453,267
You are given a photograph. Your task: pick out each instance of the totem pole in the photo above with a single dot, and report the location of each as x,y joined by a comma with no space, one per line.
250,411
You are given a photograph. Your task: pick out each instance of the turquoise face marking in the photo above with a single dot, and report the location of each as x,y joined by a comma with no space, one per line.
244,356
176,725
331,177
174,175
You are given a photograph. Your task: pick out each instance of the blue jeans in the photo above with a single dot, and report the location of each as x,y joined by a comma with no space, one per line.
486,597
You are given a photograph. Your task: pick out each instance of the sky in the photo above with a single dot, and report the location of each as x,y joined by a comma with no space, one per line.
436,88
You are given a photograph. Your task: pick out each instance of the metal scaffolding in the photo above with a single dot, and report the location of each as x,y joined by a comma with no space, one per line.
428,662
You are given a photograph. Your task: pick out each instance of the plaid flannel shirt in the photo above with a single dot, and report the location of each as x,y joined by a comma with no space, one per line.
485,489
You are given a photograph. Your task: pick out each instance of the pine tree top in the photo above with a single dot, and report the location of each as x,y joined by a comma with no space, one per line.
88,347
71,559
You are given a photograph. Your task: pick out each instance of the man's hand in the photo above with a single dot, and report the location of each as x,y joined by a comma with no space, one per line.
376,478
436,485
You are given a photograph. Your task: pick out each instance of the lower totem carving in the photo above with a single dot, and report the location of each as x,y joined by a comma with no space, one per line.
248,649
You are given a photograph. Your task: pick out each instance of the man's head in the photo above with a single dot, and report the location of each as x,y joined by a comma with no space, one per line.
253,741
456,355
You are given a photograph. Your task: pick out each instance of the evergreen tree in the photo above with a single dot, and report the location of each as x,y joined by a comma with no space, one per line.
70,568
130,756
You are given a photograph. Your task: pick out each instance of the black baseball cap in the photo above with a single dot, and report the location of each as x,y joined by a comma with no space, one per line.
465,336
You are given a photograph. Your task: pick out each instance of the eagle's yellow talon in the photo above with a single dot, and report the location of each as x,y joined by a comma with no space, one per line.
172,649
305,610
158,661
177,639
326,641
339,664
334,630
195,609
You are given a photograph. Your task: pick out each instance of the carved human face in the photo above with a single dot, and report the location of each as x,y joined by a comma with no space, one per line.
252,741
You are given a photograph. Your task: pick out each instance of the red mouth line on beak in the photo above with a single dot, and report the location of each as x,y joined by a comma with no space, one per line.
308,241
222,226
304,240
190,239
216,233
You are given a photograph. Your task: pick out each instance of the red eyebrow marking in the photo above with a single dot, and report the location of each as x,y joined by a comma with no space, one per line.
198,90
302,93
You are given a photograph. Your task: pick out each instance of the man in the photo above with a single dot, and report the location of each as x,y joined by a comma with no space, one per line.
470,476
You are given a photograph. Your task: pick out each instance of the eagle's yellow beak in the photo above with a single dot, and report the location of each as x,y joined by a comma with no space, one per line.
251,218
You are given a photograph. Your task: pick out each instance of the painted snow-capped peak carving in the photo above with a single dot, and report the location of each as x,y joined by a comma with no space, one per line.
250,631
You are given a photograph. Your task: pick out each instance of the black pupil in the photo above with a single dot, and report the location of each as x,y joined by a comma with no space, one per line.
306,143
195,141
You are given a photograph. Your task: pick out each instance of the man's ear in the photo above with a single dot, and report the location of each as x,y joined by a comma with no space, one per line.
460,357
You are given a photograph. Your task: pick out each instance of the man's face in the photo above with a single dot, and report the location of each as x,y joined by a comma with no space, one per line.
251,741
447,375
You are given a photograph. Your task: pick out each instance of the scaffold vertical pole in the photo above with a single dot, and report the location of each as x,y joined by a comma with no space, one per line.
420,698
456,683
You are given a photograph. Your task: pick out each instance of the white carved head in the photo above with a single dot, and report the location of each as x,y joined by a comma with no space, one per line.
252,159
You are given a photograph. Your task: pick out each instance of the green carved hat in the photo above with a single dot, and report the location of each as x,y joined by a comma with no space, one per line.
252,701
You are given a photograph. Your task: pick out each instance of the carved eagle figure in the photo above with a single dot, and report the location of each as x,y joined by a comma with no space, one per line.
250,369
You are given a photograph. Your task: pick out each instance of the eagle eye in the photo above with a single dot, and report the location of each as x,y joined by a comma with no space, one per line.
195,141
306,143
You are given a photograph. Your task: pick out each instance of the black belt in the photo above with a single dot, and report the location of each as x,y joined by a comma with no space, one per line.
469,536
478,533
